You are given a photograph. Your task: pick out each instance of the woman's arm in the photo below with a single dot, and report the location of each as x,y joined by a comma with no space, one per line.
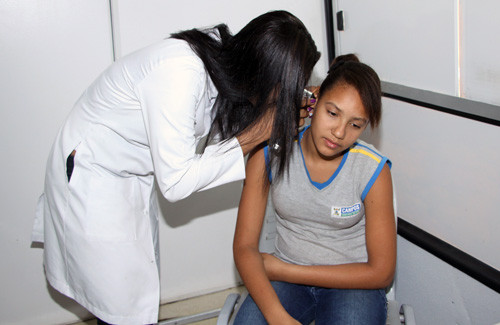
171,95
246,241
377,272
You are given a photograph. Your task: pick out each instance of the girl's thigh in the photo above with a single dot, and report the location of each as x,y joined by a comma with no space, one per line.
349,306
297,300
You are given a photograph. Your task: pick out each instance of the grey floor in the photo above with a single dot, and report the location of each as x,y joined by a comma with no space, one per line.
188,307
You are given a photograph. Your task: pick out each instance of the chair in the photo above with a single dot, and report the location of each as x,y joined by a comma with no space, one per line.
396,313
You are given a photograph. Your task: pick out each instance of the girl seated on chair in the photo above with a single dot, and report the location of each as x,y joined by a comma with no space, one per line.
335,250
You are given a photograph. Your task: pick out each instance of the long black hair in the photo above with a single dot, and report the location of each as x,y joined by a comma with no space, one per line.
272,57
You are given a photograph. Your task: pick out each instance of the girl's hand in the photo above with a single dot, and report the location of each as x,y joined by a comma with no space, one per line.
289,321
282,318
273,266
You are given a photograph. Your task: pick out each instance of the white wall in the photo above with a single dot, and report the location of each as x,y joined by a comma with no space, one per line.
406,42
439,293
480,65
50,51
445,171
445,167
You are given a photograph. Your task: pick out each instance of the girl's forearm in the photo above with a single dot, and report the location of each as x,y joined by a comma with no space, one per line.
344,276
252,272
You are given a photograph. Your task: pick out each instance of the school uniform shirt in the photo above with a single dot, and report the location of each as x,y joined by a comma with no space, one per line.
141,119
329,228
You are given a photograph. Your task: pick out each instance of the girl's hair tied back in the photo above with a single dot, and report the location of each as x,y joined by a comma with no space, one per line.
341,59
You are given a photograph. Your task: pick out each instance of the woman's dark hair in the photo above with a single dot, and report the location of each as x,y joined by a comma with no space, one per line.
265,65
347,69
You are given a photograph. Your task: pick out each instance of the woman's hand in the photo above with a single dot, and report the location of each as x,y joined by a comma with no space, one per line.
261,130
309,105
304,113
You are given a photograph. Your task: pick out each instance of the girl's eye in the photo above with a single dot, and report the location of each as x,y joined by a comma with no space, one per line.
332,113
356,126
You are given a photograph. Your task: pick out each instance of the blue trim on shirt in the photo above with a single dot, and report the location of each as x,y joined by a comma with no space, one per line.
383,160
374,177
268,163
318,185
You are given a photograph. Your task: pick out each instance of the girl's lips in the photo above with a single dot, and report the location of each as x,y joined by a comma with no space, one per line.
330,144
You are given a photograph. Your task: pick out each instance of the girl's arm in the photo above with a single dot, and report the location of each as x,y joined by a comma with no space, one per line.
377,272
246,242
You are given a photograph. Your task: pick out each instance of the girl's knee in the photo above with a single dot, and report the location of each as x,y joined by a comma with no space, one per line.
353,307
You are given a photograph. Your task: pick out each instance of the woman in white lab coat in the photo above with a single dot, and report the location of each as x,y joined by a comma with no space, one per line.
142,120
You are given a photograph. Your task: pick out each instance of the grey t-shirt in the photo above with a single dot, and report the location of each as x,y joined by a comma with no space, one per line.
324,223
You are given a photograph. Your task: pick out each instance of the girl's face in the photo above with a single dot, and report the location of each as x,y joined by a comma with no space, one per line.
338,121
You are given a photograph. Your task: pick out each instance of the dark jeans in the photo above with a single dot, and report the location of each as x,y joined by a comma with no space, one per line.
325,306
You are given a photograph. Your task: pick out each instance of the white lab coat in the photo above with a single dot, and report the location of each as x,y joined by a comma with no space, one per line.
141,119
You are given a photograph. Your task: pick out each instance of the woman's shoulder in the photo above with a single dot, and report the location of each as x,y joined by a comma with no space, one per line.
164,50
170,56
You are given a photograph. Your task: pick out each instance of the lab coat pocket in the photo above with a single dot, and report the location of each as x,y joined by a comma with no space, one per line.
112,208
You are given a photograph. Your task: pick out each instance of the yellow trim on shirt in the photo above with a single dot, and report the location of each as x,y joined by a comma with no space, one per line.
364,152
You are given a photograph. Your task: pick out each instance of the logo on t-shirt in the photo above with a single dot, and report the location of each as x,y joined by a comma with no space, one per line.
344,212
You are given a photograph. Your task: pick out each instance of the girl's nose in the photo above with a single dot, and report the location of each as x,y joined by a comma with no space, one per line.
339,131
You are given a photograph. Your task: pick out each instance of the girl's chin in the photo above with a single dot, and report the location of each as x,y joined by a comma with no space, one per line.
329,154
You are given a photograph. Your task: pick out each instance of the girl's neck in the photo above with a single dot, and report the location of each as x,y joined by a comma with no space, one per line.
312,155
320,168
